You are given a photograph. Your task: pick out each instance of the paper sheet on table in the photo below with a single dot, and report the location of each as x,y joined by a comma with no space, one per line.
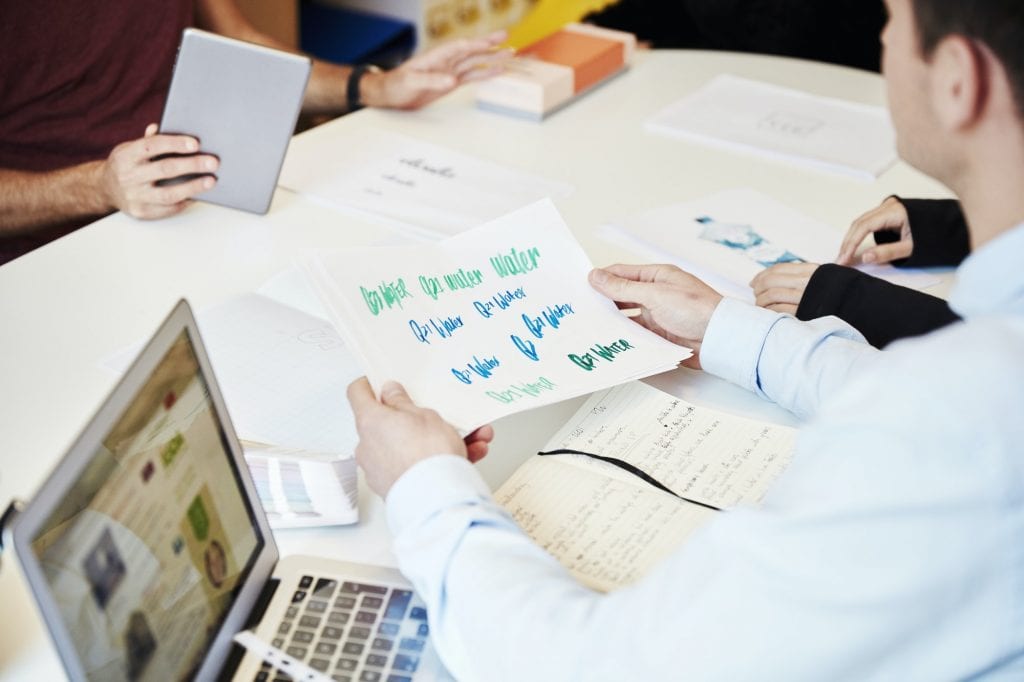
283,374
410,183
729,237
300,492
491,322
790,125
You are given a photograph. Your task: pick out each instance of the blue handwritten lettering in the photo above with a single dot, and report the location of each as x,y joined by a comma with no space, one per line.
549,317
527,348
443,328
501,300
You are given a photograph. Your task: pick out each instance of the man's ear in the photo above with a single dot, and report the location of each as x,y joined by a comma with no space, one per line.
959,82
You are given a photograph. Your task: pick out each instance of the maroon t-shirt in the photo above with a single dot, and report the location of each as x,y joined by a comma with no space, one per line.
77,78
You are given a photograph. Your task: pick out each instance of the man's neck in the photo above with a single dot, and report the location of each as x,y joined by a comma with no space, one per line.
992,191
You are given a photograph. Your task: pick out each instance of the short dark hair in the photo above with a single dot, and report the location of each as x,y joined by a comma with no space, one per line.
998,24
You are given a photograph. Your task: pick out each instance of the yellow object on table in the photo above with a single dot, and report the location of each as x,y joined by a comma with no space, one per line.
548,16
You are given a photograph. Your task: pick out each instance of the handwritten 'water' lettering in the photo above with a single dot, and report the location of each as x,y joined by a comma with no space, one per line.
501,301
527,348
463,279
386,294
441,328
549,317
431,286
482,368
515,262
597,352
526,389
421,164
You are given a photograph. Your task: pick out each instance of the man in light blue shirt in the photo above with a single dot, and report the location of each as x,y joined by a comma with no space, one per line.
893,548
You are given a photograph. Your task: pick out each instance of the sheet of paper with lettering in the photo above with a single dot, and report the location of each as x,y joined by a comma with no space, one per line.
412,184
790,125
610,527
494,321
729,237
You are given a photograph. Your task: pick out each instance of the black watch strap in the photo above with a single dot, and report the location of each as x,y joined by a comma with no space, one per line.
352,99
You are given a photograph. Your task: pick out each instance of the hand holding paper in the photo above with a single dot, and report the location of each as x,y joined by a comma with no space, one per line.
395,434
494,321
673,304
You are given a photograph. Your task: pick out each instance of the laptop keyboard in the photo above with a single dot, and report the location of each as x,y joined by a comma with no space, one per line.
352,632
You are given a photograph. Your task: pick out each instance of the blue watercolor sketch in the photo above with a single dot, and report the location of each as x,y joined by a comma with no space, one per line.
744,239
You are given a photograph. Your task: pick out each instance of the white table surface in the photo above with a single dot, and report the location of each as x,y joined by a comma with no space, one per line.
73,302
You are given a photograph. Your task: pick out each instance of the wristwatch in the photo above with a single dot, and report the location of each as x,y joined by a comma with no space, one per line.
352,98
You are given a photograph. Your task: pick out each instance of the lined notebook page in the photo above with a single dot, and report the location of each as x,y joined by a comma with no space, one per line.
606,531
608,526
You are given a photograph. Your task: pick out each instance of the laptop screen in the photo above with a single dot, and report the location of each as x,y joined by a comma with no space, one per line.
148,549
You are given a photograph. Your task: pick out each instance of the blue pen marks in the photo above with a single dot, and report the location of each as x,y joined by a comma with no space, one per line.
549,318
481,368
527,347
437,328
500,301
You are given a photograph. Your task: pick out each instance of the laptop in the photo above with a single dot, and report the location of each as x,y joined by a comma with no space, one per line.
147,551
241,101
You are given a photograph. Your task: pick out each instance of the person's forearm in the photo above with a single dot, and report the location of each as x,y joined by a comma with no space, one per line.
29,200
792,363
500,607
325,93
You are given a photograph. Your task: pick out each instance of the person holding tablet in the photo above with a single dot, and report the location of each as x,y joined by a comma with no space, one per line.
82,84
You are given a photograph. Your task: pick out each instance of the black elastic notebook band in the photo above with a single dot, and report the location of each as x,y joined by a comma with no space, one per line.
626,466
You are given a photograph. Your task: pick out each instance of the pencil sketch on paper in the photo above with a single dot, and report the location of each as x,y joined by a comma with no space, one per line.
789,124
742,238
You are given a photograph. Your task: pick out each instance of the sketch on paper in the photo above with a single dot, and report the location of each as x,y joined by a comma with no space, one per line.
790,124
744,239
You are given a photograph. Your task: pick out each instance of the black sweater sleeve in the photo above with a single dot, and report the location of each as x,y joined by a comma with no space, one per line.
939,231
880,310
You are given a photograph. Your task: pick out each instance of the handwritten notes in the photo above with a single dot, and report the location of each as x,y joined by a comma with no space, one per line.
729,237
609,527
409,183
746,115
494,321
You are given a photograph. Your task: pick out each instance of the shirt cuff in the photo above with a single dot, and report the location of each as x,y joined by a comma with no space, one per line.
430,486
733,341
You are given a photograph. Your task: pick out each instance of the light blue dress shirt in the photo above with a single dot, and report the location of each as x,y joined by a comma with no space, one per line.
892,548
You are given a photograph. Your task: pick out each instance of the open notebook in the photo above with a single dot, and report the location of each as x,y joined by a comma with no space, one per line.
601,512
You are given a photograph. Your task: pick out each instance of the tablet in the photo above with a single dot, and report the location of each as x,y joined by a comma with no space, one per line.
241,101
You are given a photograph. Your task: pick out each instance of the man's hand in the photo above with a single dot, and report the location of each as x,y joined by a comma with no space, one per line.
422,79
395,434
130,173
673,304
889,215
781,286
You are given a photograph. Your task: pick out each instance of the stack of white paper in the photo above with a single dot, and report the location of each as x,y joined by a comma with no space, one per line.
790,125
494,321
729,237
283,374
418,186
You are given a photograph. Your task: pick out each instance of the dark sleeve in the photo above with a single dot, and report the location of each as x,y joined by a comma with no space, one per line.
939,230
838,31
880,310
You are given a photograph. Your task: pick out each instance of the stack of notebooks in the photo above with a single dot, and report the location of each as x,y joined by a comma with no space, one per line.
550,73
